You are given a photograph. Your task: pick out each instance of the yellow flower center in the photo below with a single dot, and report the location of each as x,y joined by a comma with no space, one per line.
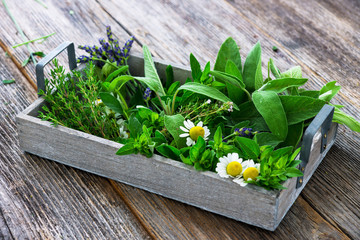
195,132
250,172
234,168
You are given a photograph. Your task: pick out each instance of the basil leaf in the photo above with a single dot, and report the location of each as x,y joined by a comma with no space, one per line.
271,109
207,91
252,74
229,50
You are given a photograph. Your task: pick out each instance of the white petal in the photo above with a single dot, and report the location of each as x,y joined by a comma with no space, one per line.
200,124
184,129
186,124
240,181
184,135
207,132
191,124
189,142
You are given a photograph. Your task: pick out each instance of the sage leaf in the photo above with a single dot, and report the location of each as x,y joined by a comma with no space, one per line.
275,71
271,109
195,68
310,93
229,50
228,78
172,124
300,108
328,91
267,139
151,78
116,73
281,84
252,74
294,72
206,91
119,82
248,112
169,72
343,118
294,136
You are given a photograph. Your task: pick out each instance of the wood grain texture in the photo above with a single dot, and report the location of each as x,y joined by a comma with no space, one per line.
43,200
190,27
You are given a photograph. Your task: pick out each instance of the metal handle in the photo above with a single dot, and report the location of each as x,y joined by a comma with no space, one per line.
40,66
322,120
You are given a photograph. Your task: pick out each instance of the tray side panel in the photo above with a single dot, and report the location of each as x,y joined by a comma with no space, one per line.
159,175
287,197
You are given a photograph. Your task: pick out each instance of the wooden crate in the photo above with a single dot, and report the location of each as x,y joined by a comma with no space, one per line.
169,178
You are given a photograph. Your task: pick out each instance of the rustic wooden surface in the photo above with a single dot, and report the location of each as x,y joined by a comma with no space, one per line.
41,199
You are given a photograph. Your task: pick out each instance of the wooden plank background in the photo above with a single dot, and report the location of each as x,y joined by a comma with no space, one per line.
41,199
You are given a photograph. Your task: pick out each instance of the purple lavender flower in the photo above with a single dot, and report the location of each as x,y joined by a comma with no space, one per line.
83,59
244,132
127,46
147,94
109,34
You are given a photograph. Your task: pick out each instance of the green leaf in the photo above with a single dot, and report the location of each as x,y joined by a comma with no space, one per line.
250,148
127,149
186,160
8,81
107,69
281,84
195,68
116,73
205,73
310,93
228,79
249,112
218,136
275,71
229,50
293,172
134,127
265,138
343,118
119,82
328,91
206,91
169,76
294,72
172,124
300,108
151,78
252,74
237,95
197,150
271,109
169,151
294,136
111,102
173,87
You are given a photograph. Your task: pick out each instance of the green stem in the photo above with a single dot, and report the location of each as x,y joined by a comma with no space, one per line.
34,40
41,3
162,105
105,61
19,30
173,103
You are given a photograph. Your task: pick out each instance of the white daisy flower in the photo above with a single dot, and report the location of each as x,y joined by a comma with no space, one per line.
98,102
192,132
123,133
251,172
229,166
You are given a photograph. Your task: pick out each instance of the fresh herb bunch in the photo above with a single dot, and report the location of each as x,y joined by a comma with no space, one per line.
73,102
228,120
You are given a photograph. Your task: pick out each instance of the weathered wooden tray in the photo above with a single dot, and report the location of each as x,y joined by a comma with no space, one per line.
166,177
